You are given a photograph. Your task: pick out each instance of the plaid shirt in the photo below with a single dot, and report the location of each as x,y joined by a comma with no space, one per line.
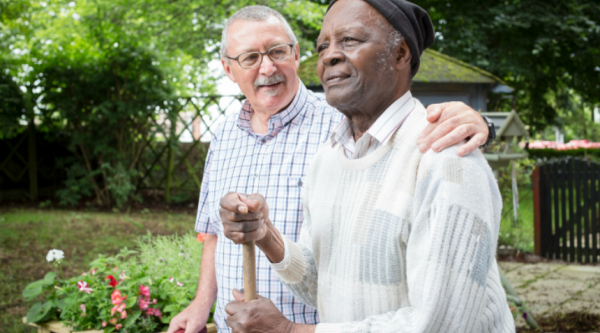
275,166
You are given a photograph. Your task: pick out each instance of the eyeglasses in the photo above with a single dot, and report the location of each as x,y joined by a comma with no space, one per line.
252,60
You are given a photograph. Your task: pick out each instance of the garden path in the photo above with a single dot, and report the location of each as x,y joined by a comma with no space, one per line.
550,288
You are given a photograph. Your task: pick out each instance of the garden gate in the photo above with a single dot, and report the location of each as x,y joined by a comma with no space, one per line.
567,207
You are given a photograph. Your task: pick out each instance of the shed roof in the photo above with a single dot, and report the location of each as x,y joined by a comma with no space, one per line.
435,67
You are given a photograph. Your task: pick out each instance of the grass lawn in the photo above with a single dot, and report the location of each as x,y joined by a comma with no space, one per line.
524,227
26,235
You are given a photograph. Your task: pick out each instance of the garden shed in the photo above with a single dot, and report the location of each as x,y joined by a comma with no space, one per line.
441,78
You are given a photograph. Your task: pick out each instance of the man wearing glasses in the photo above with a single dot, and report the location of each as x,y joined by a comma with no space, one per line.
266,149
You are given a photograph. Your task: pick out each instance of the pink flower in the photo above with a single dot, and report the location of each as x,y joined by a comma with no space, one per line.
82,307
122,275
114,310
121,307
104,323
113,321
116,297
171,279
143,304
154,301
145,290
118,326
93,271
157,312
84,274
83,286
123,314
179,284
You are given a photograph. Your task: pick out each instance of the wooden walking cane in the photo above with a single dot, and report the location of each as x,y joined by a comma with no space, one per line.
249,272
249,267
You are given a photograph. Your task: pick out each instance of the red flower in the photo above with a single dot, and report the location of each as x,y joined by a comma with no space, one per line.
201,237
113,282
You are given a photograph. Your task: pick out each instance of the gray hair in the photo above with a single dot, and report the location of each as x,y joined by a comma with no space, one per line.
254,13
394,36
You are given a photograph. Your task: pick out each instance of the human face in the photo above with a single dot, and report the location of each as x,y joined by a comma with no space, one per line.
271,87
357,68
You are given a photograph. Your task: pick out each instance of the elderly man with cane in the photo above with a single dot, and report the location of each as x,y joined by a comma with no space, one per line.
380,250
266,148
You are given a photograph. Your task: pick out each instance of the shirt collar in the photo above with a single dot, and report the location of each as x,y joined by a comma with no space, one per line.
383,128
389,121
279,120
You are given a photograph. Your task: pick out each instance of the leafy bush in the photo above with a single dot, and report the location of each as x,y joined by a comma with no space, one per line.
134,291
12,106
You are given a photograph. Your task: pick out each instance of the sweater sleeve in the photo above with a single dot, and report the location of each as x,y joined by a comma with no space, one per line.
300,274
449,253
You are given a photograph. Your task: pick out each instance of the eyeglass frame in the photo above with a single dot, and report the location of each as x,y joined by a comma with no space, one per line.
262,54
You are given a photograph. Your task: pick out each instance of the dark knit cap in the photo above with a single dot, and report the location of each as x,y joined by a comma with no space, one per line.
411,21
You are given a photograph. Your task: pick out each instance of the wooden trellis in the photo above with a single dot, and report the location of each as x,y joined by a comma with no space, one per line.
170,164
167,164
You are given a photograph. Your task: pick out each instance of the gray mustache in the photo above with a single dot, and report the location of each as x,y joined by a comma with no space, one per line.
265,81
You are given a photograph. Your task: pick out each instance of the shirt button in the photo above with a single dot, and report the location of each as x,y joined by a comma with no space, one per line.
300,183
263,140
255,175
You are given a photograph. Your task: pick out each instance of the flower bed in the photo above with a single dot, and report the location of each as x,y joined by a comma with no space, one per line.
135,291
549,149
58,327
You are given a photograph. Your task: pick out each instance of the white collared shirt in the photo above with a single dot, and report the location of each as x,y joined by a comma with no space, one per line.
378,134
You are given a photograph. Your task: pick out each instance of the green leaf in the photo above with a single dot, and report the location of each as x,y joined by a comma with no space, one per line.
35,313
109,329
46,310
49,278
170,308
33,290
132,318
130,302
61,304
38,311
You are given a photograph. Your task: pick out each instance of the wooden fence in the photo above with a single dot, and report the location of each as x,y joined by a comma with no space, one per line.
567,208
172,162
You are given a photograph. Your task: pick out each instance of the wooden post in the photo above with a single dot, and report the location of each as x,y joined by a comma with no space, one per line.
249,272
170,156
32,160
537,235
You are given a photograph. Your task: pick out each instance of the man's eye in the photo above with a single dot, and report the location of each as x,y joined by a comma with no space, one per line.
349,40
321,48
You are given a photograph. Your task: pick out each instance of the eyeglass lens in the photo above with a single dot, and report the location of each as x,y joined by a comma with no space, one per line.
277,54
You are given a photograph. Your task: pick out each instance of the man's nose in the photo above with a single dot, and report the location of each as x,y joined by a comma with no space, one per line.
332,55
267,67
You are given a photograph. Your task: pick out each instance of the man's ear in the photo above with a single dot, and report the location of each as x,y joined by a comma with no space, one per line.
404,56
297,56
227,68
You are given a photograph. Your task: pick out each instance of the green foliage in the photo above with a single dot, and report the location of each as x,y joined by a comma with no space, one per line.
12,106
161,275
543,49
98,73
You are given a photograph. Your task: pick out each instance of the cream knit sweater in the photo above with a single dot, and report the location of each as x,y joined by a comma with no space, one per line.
400,241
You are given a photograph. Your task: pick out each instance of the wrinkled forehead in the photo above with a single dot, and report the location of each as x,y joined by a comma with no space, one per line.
250,35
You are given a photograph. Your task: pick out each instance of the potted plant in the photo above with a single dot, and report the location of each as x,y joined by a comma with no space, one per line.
134,291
